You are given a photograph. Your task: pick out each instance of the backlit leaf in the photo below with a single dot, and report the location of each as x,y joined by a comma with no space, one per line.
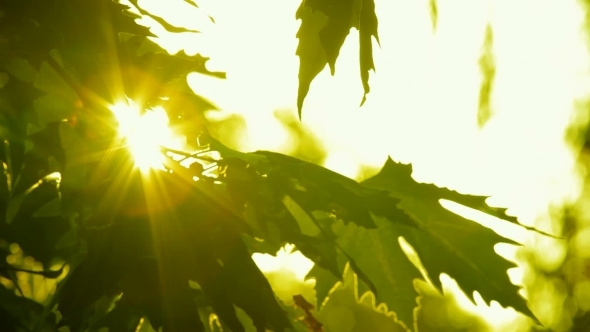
325,24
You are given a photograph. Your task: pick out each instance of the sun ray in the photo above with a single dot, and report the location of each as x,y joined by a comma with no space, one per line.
145,133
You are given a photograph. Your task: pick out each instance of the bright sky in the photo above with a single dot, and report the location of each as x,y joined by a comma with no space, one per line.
424,97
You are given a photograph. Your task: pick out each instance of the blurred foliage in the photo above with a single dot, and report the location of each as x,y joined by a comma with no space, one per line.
564,289
173,246
487,66
433,6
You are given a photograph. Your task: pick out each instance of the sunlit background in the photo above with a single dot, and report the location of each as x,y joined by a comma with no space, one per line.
424,108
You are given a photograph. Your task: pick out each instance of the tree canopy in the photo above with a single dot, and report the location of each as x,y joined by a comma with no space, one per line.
132,240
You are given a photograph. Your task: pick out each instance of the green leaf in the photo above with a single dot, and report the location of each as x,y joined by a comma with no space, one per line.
3,79
251,290
367,30
397,179
21,69
203,244
316,188
165,77
15,203
448,243
312,56
146,45
349,307
53,108
192,3
325,24
20,313
388,206
377,255
16,112
164,297
307,225
13,207
125,22
164,23
113,252
47,144
77,28
70,238
50,81
324,283
227,153
332,241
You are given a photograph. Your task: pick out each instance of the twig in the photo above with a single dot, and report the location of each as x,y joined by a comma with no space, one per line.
51,274
196,155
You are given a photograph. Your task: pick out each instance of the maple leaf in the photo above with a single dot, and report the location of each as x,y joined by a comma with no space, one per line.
365,228
448,243
376,256
325,24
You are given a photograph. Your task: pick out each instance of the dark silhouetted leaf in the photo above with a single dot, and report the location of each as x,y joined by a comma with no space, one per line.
166,25
112,254
324,27
162,295
448,243
18,313
341,220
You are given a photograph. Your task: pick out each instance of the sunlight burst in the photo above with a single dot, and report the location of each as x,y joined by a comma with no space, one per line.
145,133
